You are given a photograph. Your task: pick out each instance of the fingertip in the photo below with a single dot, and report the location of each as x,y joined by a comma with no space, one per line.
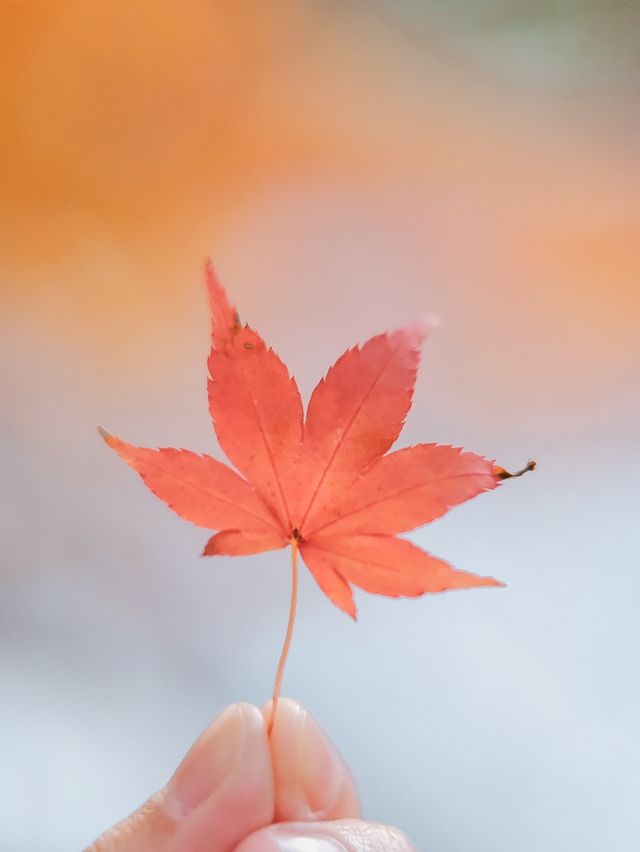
224,787
349,835
312,781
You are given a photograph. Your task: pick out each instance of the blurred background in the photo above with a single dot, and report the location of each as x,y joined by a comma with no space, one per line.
349,166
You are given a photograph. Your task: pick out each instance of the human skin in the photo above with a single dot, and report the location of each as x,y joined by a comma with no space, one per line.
239,790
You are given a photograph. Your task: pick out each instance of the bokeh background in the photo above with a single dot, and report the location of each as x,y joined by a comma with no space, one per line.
350,166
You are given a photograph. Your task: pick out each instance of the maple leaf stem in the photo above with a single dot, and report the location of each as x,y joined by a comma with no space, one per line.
287,639
501,473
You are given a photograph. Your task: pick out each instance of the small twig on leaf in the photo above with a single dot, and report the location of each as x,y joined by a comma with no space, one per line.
501,473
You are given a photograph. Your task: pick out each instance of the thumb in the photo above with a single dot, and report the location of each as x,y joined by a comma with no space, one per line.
220,793
345,835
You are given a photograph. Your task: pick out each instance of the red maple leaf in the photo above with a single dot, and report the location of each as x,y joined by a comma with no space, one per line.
321,482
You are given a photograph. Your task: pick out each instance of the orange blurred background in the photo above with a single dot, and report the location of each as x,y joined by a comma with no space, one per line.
349,166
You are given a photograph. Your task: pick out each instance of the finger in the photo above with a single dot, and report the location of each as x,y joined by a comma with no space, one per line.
348,835
216,817
312,781
220,793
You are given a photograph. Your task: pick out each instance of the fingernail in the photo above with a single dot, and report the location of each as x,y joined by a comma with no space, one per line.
281,839
284,842
207,764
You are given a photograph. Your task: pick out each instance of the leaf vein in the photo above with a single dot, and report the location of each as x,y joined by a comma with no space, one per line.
390,496
340,442
206,491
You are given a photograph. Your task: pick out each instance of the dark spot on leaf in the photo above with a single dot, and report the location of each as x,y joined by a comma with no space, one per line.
235,328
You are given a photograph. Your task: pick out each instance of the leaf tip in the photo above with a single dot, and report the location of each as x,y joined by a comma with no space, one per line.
210,548
349,607
107,437
225,322
419,330
428,323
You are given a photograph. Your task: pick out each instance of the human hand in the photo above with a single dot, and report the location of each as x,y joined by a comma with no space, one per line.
237,789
